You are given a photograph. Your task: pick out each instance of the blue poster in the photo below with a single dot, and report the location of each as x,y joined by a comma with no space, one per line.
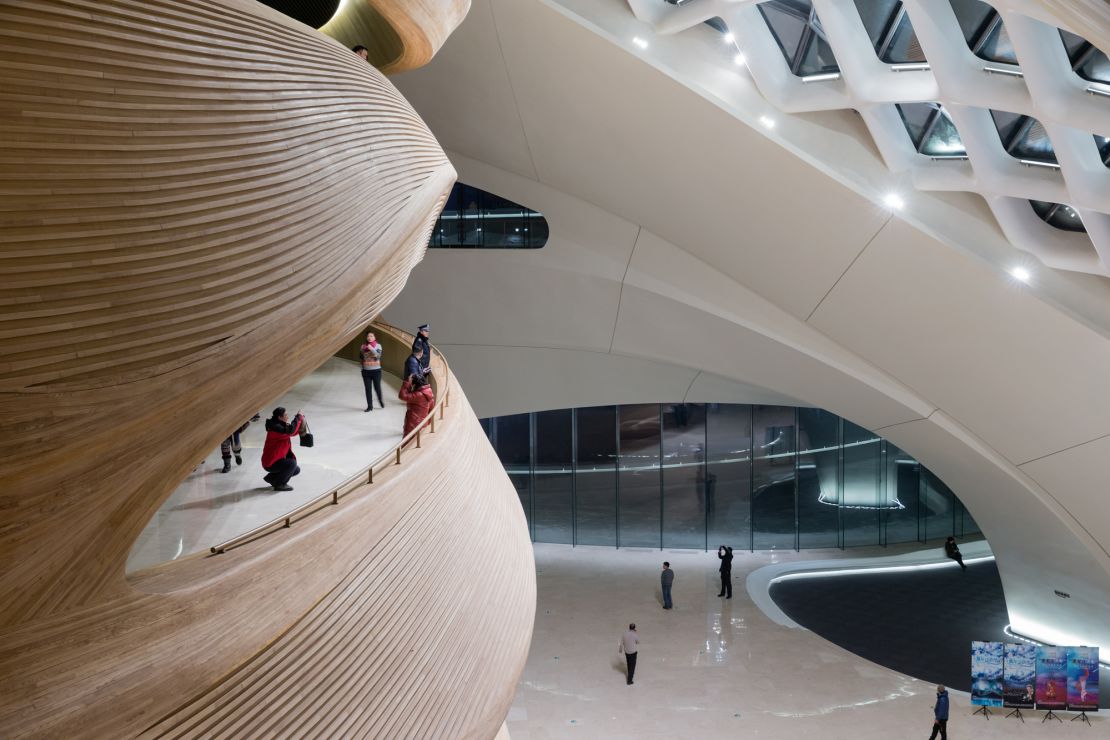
1052,677
1083,679
1019,675
986,674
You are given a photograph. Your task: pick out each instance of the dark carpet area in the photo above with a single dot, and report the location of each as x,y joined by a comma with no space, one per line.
919,623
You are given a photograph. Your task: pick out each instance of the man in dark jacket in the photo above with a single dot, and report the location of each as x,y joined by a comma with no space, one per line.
666,578
725,554
421,341
940,715
413,364
952,550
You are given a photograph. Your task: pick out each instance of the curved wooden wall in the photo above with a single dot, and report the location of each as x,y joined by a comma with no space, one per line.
399,34
203,200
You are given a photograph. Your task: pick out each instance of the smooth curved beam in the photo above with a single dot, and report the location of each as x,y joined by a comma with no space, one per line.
399,34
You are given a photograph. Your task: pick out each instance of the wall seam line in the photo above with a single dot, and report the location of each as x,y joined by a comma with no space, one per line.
849,267
620,295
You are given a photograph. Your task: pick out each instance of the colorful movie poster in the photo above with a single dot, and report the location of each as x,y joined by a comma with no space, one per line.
1019,675
986,674
1083,679
1052,677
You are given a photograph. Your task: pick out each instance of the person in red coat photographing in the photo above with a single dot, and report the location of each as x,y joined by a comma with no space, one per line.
277,453
418,396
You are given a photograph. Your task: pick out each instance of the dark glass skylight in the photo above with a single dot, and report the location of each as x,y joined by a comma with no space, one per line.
984,31
1023,137
1088,61
798,31
1058,215
1103,144
931,130
888,25
473,218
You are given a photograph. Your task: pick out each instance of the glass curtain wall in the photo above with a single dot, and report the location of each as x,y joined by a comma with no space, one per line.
695,476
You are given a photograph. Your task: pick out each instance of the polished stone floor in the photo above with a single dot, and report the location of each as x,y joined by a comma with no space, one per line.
210,507
713,668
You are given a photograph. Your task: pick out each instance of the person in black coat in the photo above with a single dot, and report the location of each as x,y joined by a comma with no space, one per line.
952,550
421,341
725,554
413,364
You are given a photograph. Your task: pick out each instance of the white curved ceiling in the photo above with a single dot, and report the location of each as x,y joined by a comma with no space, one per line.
694,256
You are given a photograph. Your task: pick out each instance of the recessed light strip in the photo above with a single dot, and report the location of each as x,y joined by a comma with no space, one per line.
910,67
823,77
1035,163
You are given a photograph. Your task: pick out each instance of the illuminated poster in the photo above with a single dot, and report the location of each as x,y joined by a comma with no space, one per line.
986,674
1052,677
1083,679
1019,675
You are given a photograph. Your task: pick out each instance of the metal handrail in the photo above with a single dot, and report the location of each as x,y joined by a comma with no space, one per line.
365,476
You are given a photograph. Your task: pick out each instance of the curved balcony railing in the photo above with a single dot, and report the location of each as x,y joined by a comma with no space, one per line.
397,344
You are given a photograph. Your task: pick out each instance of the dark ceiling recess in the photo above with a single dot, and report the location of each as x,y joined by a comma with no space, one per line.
313,13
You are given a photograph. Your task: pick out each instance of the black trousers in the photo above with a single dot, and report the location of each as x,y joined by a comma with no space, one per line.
372,381
280,472
726,583
941,726
630,658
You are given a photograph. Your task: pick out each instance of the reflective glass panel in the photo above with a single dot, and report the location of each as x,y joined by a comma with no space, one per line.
683,475
818,478
1023,137
728,500
511,438
890,30
902,482
554,479
773,489
596,481
861,498
798,32
474,218
1058,215
937,506
1088,61
931,129
984,31
639,483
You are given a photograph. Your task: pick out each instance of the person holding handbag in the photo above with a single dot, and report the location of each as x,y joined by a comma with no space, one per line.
277,452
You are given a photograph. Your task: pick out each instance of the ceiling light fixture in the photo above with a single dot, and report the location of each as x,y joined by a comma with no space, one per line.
739,59
1021,274
728,38
639,42
894,201
767,122
824,77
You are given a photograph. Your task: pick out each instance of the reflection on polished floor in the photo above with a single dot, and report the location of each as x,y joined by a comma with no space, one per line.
710,668
209,507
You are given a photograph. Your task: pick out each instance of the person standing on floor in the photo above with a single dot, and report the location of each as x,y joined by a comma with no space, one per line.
667,578
413,364
952,550
725,555
417,394
630,646
940,715
233,444
371,356
277,452
421,341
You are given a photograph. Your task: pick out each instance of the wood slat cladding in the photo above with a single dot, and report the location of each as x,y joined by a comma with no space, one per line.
405,611
202,200
399,34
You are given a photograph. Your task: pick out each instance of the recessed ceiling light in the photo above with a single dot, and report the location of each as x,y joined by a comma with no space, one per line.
739,59
767,122
1021,274
640,42
894,201
729,38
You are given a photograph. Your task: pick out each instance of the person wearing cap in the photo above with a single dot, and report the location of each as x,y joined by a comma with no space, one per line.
421,341
940,715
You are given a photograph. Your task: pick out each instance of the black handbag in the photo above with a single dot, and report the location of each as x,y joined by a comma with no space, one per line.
307,440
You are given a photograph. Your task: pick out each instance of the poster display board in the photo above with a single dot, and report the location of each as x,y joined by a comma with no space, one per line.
1019,675
1052,677
986,674
1082,676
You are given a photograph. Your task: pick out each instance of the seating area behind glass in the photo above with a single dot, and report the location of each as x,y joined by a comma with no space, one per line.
694,476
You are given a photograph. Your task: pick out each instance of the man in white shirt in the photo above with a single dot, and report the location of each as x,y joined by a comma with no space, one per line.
630,646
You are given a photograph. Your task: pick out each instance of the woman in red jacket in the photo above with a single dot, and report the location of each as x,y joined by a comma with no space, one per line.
277,453
418,395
